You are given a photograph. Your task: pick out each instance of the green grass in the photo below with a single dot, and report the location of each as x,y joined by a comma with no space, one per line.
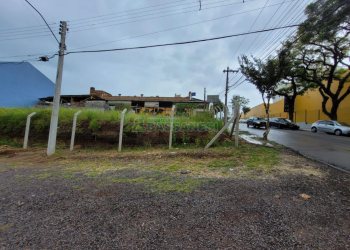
162,171
90,121
13,142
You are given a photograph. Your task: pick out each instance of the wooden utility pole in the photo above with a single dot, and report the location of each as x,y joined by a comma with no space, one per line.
227,71
51,146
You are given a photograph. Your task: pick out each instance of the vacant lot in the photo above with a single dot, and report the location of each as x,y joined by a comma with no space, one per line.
253,197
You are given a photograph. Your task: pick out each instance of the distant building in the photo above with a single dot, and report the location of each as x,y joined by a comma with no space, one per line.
21,84
104,100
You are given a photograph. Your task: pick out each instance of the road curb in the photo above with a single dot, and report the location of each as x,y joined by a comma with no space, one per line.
319,161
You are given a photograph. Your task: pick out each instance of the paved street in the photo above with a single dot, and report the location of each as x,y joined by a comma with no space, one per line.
320,146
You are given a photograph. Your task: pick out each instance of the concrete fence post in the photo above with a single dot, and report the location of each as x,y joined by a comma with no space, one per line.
121,130
171,126
26,133
72,139
237,108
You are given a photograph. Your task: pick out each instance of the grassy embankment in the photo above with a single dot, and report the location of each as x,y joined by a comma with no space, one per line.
95,124
159,170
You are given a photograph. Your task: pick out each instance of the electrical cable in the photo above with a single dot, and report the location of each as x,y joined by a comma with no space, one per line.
44,20
96,26
251,27
132,14
174,28
180,43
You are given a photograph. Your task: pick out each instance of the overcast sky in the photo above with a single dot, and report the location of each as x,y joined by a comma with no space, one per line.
104,24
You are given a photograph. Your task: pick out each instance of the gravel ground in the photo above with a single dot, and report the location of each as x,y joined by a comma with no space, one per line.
243,213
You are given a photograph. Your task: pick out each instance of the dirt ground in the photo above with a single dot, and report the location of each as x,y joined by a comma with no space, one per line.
252,198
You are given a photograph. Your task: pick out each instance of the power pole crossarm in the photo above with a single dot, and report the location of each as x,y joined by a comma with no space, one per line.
51,146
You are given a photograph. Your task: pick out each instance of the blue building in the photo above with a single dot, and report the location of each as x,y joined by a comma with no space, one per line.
21,84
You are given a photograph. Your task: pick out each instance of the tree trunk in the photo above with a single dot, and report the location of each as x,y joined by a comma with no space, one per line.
333,113
267,129
291,106
334,110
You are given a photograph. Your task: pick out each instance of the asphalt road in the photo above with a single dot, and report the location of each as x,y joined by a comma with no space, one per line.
323,147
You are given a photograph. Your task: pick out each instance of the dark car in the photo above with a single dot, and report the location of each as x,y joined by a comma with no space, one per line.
283,123
256,122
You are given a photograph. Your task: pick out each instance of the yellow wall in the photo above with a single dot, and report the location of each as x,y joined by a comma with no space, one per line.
307,108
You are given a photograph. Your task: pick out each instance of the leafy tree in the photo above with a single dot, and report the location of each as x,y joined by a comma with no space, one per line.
241,101
265,76
291,84
325,45
245,109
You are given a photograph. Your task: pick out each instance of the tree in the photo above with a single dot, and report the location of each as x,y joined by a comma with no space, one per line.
324,44
241,101
291,84
265,76
245,109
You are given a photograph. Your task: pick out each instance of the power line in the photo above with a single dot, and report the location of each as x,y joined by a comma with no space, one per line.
127,21
141,35
133,14
125,11
251,27
31,33
181,43
193,7
176,27
280,34
43,19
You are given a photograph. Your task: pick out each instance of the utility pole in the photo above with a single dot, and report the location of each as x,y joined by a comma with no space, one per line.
227,71
51,146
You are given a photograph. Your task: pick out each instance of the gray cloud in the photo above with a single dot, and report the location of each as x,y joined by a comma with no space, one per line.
159,71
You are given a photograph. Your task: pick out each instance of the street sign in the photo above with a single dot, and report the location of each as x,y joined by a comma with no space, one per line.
213,99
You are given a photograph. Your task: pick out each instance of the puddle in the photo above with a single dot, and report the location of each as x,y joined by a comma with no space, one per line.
252,139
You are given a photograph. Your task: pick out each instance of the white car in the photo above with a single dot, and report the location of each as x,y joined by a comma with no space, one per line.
333,127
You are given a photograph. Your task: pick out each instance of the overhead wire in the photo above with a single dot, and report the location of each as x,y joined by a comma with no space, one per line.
283,16
178,27
141,35
133,20
179,43
274,40
251,27
43,18
41,33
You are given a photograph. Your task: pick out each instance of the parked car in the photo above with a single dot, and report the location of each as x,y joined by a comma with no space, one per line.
242,120
333,127
283,123
256,122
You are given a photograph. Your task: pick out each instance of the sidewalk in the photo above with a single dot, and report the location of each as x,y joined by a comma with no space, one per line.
304,126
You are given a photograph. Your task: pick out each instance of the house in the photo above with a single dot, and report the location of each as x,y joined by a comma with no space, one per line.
22,84
140,104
